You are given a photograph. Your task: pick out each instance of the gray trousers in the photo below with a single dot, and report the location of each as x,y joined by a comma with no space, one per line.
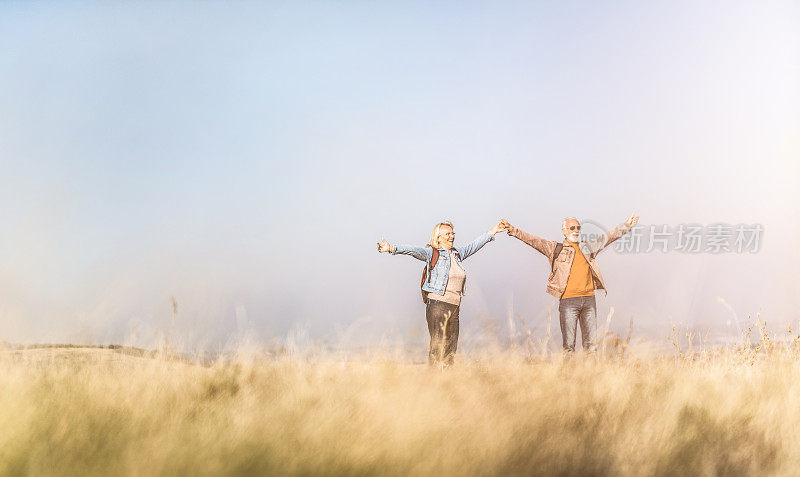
443,326
573,310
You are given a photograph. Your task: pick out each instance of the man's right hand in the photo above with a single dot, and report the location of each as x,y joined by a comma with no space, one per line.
505,225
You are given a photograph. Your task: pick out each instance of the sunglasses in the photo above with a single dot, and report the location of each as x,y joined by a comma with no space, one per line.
574,227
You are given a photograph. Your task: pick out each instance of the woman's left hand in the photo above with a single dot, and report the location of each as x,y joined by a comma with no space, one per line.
497,228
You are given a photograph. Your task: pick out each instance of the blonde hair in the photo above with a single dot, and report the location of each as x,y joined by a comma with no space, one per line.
434,241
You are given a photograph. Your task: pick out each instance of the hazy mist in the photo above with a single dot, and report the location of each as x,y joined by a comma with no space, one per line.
244,158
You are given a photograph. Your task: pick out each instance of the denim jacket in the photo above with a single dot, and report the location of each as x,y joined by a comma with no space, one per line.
436,279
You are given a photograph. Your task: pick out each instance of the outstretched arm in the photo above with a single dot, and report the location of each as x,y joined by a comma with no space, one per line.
546,247
616,233
420,253
479,242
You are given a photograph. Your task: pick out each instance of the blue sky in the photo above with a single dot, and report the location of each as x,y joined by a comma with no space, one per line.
247,155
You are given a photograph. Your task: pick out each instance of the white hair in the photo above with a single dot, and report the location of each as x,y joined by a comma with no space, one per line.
564,222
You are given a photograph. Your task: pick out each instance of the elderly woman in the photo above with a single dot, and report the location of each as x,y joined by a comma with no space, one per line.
443,280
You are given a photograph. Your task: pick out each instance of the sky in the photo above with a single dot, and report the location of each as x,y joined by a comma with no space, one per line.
243,158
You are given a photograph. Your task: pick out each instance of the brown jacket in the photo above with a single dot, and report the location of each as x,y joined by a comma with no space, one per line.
557,282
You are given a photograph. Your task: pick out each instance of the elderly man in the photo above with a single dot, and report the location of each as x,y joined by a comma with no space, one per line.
574,275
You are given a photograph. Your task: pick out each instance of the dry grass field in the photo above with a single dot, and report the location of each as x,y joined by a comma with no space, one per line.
95,411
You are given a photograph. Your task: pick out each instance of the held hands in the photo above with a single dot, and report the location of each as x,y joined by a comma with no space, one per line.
632,220
501,225
384,246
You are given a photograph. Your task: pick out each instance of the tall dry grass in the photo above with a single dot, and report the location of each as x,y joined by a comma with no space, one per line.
724,411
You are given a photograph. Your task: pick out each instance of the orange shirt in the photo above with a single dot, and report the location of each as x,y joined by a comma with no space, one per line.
580,281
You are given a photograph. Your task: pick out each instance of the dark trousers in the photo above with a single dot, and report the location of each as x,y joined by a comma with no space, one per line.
443,326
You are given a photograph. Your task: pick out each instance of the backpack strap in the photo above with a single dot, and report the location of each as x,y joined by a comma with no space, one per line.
425,274
434,259
556,253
